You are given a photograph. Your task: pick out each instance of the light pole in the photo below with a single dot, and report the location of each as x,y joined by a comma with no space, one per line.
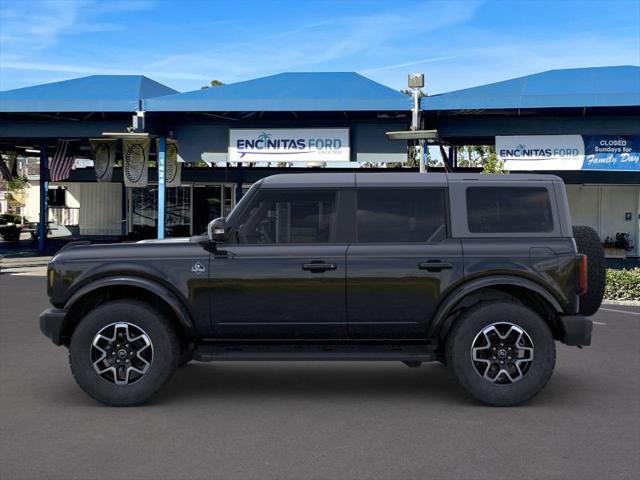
416,83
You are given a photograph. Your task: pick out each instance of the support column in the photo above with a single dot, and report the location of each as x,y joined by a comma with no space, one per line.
162,154
44,200
239,182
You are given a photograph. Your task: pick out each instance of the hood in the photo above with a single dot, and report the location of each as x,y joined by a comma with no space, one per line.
166,240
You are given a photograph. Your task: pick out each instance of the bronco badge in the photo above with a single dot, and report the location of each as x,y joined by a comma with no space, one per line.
198,268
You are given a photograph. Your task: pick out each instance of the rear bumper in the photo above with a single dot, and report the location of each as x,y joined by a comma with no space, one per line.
575,330
51,324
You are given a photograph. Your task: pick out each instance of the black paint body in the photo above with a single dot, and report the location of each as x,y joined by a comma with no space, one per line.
362,291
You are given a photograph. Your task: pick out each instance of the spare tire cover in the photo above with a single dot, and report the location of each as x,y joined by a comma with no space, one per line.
588,243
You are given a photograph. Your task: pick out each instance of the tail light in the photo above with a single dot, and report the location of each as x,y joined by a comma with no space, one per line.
582,279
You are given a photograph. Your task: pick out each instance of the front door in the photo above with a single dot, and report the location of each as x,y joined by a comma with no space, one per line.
282,275
401,263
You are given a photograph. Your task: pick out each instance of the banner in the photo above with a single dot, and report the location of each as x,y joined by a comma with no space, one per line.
104,157
540,152
611,152
12,161
173,165
8,168
135,153
289,145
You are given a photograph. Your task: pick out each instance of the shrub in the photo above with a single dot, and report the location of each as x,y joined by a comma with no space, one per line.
623,284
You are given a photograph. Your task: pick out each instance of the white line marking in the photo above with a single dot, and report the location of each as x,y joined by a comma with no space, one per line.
599,323
620,311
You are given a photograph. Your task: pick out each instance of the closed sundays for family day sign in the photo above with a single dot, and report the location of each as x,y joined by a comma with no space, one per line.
289,145
569,152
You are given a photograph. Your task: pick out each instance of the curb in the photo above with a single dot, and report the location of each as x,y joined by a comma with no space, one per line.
18,263
629,303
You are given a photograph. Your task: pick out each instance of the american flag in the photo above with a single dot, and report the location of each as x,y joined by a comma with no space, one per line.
4,170
62,161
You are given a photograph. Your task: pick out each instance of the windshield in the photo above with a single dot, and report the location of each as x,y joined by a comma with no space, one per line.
242,202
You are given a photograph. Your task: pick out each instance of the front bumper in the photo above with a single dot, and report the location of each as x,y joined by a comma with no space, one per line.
575,330
52,323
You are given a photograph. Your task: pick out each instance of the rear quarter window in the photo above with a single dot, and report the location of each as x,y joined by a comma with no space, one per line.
509,210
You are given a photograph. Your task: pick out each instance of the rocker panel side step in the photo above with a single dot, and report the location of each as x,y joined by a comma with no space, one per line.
269,351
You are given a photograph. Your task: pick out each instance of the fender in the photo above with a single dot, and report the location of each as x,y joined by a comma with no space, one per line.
438,322
184,318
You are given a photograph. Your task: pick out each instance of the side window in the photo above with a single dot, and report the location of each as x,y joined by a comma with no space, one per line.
394,215
289,216
509,210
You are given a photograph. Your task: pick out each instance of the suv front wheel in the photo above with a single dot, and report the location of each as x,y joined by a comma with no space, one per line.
123,352
502,353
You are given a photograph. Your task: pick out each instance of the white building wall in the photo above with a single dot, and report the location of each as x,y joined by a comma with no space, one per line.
100,208
73,195
31,209
605,207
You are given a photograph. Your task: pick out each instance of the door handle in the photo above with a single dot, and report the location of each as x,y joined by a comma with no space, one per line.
434,266
318,267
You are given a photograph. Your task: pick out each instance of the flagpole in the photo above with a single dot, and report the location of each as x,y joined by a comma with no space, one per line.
44,199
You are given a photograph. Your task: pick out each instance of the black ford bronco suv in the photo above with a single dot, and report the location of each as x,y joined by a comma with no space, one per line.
480,272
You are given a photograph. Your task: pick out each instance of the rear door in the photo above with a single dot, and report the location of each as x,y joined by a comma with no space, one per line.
401,262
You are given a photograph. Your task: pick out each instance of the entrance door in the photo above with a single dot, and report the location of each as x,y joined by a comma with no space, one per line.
401,262
207,205
283,273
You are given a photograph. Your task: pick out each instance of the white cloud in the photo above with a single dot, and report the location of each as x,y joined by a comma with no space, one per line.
316,45
436,37
408,64
88,70
31,27
501,57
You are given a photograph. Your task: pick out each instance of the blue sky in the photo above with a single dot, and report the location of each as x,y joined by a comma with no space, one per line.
184,44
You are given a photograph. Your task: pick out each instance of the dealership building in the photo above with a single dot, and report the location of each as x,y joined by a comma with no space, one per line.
212,144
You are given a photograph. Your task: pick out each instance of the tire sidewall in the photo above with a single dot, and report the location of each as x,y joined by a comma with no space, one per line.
459,353
165,352
588,242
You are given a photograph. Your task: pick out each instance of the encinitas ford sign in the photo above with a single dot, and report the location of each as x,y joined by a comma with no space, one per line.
569,152
541,152
289,145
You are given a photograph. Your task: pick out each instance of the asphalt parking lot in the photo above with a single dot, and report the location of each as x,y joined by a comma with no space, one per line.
308,421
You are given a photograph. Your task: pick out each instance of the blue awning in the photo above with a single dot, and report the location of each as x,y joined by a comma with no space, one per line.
577,87
288,92
96,93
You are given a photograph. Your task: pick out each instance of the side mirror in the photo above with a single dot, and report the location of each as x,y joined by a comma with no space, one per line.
216,230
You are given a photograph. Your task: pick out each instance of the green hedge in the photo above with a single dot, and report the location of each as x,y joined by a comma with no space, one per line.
623,284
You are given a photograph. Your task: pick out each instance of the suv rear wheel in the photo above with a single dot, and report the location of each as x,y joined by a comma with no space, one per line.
123,352
502,353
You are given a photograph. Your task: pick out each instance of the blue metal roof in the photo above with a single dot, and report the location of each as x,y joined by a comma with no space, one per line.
299,92
576,87
96,93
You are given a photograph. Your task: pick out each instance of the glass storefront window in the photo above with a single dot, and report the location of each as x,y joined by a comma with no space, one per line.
178,219
188,210
228,200
144,212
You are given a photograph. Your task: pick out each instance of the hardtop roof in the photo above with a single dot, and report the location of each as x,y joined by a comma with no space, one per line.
395,179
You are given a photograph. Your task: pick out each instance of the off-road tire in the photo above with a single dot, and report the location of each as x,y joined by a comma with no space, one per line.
588,243
459,357
166,352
